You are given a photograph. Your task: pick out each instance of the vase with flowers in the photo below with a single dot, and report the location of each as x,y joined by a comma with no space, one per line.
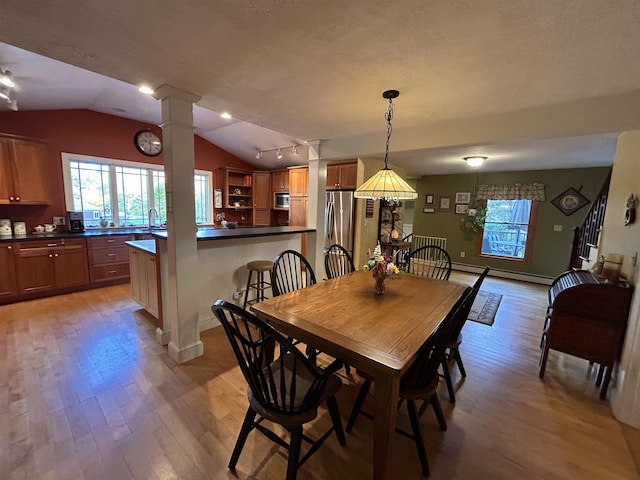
380,266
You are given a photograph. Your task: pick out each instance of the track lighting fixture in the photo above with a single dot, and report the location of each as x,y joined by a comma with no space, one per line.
6,78
259,155
278,155
294,150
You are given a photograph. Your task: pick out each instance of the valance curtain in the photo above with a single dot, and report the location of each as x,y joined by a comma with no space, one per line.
517,191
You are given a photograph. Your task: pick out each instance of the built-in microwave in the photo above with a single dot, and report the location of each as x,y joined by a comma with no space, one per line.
281,200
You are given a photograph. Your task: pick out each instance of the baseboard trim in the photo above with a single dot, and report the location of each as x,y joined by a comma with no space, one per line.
207,323
497,272
184,354
163,337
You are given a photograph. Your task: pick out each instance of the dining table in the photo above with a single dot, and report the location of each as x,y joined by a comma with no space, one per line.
379,334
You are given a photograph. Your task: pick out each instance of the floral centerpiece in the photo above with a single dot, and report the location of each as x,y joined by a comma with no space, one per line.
380,266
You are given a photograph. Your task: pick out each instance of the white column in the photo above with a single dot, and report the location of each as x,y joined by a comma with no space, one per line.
315,210
179,292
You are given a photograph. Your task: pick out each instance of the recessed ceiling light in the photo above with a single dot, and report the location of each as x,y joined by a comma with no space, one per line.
146,90
226,115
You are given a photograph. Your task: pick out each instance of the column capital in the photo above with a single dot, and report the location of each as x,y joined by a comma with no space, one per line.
165,91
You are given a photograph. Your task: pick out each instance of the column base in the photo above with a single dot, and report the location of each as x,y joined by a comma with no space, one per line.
184,354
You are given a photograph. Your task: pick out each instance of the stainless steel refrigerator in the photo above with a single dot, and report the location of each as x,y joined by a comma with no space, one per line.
339,217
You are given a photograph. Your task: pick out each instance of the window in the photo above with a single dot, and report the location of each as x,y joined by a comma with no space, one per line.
508,229
122,193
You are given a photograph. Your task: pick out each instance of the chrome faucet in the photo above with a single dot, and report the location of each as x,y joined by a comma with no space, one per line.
152,224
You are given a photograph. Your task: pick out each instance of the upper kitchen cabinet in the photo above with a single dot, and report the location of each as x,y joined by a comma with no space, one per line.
261,198
25,176
280,181
342,176
298,181
237,187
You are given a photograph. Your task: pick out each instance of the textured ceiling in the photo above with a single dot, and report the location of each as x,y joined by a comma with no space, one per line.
505,78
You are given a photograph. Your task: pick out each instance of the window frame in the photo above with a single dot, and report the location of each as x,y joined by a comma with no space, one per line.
67,158
528,249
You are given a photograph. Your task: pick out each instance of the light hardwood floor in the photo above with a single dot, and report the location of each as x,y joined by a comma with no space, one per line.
87,393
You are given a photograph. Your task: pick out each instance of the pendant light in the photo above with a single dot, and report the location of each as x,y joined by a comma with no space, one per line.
386,183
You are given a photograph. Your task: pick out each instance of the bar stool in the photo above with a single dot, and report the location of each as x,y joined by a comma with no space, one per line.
260,285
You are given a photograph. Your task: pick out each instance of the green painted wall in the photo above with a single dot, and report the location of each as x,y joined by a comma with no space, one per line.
551,249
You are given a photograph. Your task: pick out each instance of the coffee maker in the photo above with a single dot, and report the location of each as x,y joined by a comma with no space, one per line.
76,222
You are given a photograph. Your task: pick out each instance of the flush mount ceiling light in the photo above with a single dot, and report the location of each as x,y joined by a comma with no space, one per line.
475,161
386,183
226,115
145,89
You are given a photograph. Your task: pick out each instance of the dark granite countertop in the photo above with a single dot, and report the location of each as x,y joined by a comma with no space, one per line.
203,234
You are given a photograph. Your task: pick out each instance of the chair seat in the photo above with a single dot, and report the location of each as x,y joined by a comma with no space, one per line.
260,265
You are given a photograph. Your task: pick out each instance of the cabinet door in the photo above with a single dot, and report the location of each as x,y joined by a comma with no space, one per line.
31,178
298,211
333,177
35,269
137,276
8,284
71,267
262,216
6,173
298,182
262,190
280,181
151,280
348,176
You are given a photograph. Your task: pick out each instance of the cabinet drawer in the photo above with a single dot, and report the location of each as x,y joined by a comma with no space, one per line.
101,256
49,244
103,273
108,241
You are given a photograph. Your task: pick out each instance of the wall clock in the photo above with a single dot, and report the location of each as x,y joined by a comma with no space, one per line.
570,201
147,143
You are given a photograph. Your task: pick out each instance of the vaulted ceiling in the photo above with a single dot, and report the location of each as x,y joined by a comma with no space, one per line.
542,84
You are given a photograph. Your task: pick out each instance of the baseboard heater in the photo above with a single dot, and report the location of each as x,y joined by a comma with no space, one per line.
500,273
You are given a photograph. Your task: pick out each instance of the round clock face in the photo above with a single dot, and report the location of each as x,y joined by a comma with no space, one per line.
147,143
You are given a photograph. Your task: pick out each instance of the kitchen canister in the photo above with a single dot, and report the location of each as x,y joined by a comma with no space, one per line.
19,228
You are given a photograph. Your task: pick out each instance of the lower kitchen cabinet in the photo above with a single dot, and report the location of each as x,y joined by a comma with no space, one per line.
8,283
144,280
50,265
108,258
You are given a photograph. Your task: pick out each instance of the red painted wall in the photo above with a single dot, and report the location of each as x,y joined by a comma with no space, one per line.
90,133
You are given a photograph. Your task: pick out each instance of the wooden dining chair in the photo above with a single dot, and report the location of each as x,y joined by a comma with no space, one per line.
286,391
430,261
337,261
420,383
452,356
291,272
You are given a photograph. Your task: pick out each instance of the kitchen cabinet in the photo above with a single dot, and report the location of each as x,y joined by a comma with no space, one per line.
298,181
49,265
280,181
342,176
25,177
144,280
237,188
8,284
298,211
108,258
261,198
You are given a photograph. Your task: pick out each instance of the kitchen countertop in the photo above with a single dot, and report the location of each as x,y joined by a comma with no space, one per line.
148,246
203,234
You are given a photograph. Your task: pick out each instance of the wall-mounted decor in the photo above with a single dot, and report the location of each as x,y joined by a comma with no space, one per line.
217,198
429,199
445,203
463,197
570,201
461,209
428,210
630,213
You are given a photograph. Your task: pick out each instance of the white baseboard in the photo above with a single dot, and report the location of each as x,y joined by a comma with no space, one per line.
184,354
496,272
163,337
207,323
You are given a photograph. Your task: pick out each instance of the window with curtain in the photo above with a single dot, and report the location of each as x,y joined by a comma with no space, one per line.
122,193
510,219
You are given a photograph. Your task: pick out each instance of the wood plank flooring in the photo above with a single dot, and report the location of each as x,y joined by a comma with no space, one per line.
87,393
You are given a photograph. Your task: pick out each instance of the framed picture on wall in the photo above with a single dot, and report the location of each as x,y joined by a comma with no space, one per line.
445,203
570,201
217,198
429,199
463,197
428,210
462,209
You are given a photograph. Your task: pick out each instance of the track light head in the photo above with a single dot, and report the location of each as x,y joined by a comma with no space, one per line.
279,155
259,155
294,150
